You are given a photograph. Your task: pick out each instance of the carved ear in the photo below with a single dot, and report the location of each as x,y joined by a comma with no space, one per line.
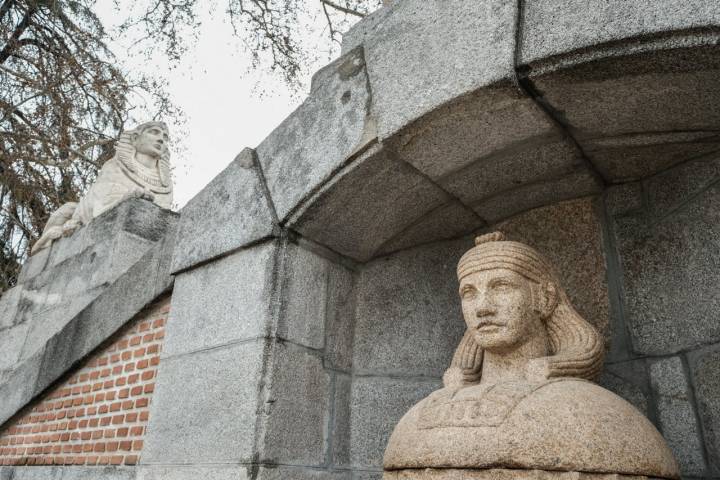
547,299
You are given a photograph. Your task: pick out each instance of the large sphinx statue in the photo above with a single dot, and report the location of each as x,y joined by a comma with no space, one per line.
517,402
140,168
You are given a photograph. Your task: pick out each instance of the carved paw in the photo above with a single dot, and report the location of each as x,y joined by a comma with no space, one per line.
70,227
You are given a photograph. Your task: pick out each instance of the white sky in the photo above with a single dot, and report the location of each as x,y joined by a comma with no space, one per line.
225,112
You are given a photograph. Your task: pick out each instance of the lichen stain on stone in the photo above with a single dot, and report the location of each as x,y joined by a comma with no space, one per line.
352,66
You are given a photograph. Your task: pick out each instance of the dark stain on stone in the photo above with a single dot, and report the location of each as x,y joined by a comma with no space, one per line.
353,65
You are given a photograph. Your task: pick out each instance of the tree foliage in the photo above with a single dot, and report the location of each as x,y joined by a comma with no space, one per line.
64,99
272,31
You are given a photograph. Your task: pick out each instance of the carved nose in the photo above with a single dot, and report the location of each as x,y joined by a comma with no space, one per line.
483,312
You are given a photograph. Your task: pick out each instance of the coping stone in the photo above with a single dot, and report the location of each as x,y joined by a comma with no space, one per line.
205,407
458,36
705,367
224,301
670,273
677,416
230,212
355,215
297,415
553,27
408,319
377,406
320,136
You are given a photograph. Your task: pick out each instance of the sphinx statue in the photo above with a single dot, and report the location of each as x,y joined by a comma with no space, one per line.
517,401
140,168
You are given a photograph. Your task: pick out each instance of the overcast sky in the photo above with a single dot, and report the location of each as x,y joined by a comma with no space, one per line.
224,109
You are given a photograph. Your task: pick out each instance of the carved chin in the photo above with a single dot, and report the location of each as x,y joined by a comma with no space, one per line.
495,339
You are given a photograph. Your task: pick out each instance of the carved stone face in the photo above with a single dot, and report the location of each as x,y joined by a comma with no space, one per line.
152,141
498,309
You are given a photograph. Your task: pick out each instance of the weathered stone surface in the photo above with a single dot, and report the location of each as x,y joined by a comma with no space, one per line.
506,204
9,304
340,429
705,366
367,475
355,215
633,125
569,234
632,157
320,135
299,473
192,472
670,269
671,189
624,198
458,35
222,302
340,318
18,385
529,162
630,381
444,223
11,343
34,265
297,412
676,414
377,405
230,212
36,472
305,297
552,27
205,407
407,312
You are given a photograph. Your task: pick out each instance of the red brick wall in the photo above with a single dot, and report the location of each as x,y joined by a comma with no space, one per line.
98,414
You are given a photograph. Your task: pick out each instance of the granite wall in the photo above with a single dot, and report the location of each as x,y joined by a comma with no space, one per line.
314,296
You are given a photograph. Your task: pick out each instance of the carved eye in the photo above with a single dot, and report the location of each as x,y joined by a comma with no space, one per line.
502,284
467,291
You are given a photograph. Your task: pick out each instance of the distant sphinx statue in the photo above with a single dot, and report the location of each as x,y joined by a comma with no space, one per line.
140,168
517,402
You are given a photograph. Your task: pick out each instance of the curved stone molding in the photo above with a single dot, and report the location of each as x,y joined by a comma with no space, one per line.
635,81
